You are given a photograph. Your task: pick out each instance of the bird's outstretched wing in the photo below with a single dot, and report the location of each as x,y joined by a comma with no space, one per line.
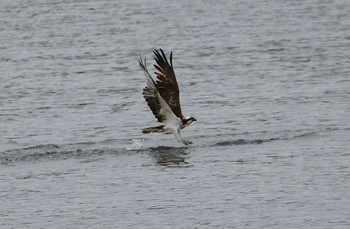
166,82
154,99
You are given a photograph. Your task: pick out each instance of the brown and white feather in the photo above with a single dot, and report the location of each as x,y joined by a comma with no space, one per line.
154,99
166,82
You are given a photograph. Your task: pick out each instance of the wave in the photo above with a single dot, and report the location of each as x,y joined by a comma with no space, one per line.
244,142
177,154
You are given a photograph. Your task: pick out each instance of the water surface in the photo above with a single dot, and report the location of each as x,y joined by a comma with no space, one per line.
268,82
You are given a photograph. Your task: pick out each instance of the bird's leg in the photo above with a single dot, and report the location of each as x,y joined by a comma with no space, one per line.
177,134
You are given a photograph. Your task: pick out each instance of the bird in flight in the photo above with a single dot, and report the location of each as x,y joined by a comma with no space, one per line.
162,96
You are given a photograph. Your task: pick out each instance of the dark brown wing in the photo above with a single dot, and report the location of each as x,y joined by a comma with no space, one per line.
150,93
166,82
152,100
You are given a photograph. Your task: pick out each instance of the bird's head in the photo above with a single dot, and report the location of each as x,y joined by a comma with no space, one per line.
188,120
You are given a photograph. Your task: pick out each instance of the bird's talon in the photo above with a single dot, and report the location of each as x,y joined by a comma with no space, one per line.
186,142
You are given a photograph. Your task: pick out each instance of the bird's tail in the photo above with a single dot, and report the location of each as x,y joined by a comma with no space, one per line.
157,129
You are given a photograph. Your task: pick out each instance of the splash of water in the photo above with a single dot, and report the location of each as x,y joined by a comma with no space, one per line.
135,144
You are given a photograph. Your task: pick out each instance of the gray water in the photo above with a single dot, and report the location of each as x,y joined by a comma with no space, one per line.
268,82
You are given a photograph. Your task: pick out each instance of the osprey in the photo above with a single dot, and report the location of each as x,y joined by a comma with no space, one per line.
162,96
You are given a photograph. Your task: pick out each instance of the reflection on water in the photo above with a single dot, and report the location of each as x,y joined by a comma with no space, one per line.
170,156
